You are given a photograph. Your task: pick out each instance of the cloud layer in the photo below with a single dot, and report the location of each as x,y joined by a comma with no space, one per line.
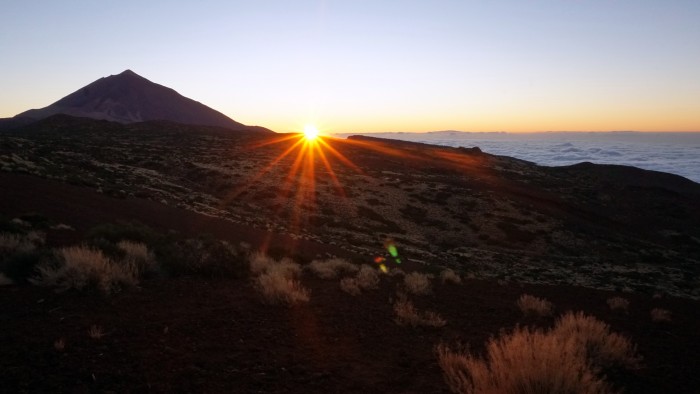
677,153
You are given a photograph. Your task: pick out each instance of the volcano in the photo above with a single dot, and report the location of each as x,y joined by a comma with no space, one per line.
130,98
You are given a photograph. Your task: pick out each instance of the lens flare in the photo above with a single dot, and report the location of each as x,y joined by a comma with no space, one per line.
393,250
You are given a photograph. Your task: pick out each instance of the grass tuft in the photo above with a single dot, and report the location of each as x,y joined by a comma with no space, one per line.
367,277
531,305
79,267
603,347
407,314
618,304
567,359
417,283
59,345
138,255
278,281
350,286
660,315
331,268
450,276
96,332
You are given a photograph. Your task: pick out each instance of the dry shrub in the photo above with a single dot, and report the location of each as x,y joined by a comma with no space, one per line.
566,359
350,286
618,304
276,287
35,237
396,272
261,262
59,344
204,256
331,268
367,277
417,283
79,267
660,315
449,275
13,243
138,255
407,314
531,305
602,347
96,332
277,280
521,362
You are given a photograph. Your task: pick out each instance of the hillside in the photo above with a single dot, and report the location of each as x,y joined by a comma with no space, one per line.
497,217
204,200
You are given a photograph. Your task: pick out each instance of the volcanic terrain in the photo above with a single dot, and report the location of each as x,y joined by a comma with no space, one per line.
205,199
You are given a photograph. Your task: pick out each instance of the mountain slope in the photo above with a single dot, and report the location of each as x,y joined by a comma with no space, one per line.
129,98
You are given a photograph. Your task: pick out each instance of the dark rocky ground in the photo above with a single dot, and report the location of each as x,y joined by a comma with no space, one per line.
576,235
606,227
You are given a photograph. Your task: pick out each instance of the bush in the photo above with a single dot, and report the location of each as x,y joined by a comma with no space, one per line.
407,314
261,263
79,267
660,315
449,275
367,277
522,362
618,304
15,243
602,347
138,255
331,268
350,286
417,283
277,280
396,272
566,359
204,256
531,305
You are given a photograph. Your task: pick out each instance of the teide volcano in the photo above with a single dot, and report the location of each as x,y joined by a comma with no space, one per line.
129,98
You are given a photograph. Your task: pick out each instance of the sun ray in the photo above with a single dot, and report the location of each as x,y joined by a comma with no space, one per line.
238,191
277,140
331,172
307,157
341,157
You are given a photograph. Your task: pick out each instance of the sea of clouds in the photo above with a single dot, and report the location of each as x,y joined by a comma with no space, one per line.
677,153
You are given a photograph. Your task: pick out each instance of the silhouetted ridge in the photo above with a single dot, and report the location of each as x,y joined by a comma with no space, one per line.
128,98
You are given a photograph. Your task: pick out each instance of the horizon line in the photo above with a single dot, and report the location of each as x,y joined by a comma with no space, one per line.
513,132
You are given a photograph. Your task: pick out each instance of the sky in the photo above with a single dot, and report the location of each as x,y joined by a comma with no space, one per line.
373,66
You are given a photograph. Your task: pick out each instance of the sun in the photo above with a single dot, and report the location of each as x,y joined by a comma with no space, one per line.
310,132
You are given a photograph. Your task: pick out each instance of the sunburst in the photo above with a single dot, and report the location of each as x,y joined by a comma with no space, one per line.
307,155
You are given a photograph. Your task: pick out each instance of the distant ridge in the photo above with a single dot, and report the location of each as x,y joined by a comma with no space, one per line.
130,98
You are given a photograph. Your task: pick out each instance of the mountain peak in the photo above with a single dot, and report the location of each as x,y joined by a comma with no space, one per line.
128,72
127,98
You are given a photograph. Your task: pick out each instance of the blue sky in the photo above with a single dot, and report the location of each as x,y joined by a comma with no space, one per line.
352,66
